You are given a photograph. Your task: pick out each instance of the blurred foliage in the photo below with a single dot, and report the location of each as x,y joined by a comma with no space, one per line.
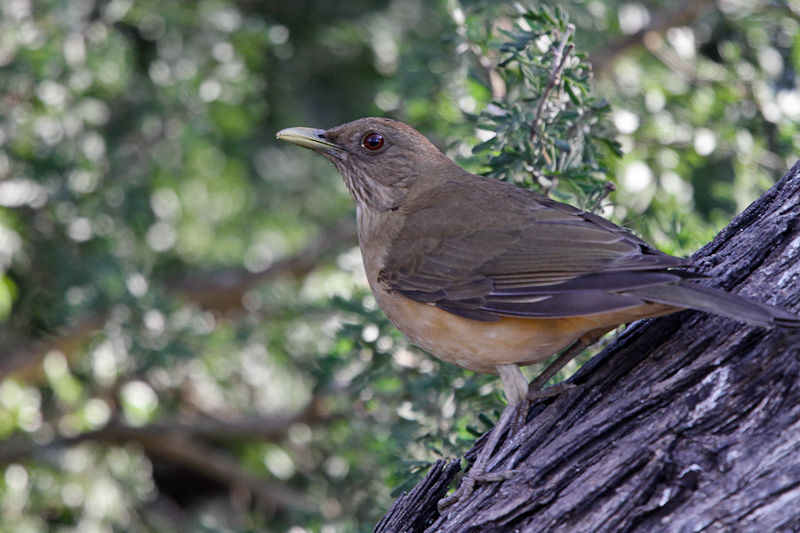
144,200
544,125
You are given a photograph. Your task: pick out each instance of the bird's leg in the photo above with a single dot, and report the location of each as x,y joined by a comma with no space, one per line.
478,473
535,389
519,395
516,388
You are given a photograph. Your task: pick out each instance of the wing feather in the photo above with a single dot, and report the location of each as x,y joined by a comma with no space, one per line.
531,257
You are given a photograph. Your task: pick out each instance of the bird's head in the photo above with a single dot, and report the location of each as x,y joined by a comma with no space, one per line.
380,159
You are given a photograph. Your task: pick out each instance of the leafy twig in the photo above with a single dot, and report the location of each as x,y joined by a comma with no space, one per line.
560,63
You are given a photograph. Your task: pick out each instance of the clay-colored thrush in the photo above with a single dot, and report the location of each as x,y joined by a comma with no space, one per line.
490,276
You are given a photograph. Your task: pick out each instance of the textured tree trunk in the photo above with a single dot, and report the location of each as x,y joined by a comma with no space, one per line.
689,422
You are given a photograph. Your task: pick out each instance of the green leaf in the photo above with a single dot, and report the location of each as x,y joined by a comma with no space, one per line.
483,147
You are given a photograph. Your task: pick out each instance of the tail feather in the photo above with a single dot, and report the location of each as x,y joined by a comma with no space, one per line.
702,298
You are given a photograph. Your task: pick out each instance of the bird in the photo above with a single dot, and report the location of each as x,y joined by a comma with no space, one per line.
492,276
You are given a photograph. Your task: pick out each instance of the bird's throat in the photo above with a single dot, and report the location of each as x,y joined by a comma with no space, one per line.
369,193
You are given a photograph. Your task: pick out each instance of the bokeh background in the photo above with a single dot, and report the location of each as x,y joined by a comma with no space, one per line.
187,342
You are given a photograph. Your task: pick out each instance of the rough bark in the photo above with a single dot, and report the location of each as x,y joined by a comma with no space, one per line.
689,422
423,499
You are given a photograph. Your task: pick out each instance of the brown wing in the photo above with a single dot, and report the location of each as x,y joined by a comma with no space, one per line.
531,257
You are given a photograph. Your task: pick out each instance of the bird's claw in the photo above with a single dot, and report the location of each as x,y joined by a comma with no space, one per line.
468,484
553,390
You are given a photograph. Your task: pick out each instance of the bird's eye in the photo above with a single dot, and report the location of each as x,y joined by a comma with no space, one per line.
372,141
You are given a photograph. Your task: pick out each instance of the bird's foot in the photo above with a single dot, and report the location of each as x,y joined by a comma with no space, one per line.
512,419
553,390
468,484
478,473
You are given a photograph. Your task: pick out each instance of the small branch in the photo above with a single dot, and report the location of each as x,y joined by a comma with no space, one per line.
560,63
584,116
608,188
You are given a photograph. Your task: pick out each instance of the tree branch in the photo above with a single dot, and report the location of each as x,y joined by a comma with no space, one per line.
213,463
680,14
221,291
186,444
25,361
257,427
